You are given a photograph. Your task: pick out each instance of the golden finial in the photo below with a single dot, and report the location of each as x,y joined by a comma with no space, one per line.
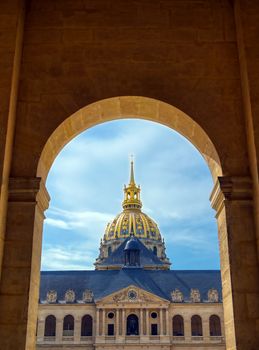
132,192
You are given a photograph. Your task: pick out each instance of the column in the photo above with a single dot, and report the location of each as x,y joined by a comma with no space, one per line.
123,323
167,321
117,333
161,330
103,323
141,322
20,281
97,328
147,323
233,202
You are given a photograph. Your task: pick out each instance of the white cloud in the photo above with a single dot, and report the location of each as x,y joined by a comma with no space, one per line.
86,184
67,258
57,223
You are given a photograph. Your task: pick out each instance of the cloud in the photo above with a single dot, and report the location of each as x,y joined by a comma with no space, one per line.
86,187
71,220
67,258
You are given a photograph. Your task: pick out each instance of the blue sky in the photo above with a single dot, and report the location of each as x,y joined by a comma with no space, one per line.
86,188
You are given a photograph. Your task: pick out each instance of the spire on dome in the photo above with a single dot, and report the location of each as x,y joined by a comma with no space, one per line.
132,192
132,180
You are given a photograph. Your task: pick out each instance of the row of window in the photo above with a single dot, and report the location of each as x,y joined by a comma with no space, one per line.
196,326
132,326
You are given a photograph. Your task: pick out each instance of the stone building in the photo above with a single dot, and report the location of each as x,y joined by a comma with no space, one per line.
132,299
66,66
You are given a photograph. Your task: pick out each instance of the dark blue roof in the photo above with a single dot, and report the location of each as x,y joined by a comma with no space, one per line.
133,244
105,282
146,256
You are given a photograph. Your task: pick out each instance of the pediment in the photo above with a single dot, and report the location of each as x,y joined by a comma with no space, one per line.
132,294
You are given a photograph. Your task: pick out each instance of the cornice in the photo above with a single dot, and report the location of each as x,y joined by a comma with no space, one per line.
28,190
231,188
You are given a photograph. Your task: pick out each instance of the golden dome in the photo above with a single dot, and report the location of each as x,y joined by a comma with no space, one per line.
132,219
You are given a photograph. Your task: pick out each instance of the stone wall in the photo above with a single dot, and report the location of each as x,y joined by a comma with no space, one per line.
198,56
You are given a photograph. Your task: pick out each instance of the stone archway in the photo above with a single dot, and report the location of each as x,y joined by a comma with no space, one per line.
129,107
231,198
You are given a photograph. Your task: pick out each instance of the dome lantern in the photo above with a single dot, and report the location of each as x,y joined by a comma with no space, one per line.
132,193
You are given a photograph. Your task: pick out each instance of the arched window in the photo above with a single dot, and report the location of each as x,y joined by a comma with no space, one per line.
109,251
196,325
132,325
178,326
215,326
155,250
68,325
87,326
50,326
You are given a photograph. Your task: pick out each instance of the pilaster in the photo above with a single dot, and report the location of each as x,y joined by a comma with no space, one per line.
59,330
97,328
40,329
77,329
28,199
233,202
187,329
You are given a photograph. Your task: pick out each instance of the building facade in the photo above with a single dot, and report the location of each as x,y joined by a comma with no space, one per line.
132,300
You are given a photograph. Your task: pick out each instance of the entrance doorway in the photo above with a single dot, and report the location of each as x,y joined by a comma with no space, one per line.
132,325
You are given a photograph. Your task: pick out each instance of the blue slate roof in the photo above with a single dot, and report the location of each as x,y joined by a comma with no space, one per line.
146,256
105,282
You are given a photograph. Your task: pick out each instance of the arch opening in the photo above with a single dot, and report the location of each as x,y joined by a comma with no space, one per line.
132,325
196,326
87,326
128,107
68,325
50,326
215,326
178,326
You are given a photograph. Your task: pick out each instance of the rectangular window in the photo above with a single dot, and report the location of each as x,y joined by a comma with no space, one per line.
153,329
110,329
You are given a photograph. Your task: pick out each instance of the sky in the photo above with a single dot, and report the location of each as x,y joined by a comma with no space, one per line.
86,182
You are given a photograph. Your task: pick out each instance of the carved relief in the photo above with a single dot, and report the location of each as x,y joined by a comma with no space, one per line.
120,296
88,296
145,297
52,296
132,295
213,296
177,296
195,296
70,296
